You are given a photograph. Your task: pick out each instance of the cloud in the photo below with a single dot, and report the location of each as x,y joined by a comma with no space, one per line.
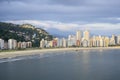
59,10
69,26
48,24
112,18
103,26
63,15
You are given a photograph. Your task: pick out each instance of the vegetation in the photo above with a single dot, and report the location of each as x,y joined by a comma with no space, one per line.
21,33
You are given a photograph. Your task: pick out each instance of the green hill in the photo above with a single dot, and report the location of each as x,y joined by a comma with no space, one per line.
25,32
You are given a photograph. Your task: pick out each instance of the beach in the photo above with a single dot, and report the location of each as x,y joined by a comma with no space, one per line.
42,51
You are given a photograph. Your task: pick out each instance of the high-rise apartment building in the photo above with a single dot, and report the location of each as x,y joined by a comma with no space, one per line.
101,41
64,42
112,40
86,38
86,35
118,40
78,38
12,44
106,41
78,35
42,43
1,44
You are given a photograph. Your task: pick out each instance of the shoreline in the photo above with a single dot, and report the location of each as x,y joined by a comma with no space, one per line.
41,51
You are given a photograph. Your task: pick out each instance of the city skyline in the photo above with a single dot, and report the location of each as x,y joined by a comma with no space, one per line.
82,39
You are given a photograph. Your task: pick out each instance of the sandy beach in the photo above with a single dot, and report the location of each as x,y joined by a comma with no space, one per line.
42,51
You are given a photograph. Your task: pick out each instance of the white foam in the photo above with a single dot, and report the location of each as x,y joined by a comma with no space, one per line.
37,56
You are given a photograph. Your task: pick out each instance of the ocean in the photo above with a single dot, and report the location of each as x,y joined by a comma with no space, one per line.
63,65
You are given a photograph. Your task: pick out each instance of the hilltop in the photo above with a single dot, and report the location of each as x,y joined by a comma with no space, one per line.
24,32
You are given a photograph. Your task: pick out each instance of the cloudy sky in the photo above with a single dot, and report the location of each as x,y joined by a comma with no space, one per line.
60,17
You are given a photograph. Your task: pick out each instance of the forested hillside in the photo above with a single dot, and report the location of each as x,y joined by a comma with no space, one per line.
25,32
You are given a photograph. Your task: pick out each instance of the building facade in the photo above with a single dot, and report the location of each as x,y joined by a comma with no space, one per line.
1,44
12,44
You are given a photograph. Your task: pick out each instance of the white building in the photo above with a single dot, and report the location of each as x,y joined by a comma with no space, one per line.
101,41
60,43
19,45
42,43
106,41
23,44
29,44
64,42
1,44
118,39
12,44
112,40
85,43
78,35
97,41
71,40
50,44
94,42
86,35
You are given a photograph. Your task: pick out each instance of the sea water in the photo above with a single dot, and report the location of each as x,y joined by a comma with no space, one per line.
63,65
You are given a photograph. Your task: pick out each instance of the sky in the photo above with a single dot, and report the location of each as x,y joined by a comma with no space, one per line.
63,17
